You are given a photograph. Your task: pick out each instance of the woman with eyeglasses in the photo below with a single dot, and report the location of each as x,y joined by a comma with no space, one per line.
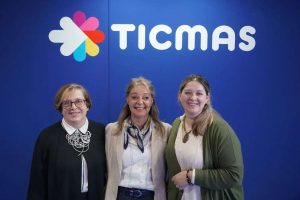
69,156
203,153
134,147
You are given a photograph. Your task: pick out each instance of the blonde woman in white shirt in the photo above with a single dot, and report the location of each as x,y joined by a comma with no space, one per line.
135,146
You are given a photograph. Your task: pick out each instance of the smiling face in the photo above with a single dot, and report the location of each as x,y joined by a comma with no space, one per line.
139,101
193,98
74,115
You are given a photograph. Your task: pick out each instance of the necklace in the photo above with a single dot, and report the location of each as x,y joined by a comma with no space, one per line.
186,133
79,141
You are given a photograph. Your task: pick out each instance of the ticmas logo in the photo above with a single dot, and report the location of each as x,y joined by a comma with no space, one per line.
79,36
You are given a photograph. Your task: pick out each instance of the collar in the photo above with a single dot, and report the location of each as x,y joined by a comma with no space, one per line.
148,124
70,129
182,117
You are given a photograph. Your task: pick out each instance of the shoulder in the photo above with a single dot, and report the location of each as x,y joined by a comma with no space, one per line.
220,128
95,124
51,130
176,123
111,131
173,130
55,126
219,122
96,128
111,128
166,126
49,133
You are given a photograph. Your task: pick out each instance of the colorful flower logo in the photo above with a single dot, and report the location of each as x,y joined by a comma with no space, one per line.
78,36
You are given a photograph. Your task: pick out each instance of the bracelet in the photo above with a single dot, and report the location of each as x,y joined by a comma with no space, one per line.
188,180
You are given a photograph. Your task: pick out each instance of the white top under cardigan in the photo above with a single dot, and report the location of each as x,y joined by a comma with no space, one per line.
189,156
136,166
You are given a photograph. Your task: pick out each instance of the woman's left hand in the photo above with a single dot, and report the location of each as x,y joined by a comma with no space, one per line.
179,180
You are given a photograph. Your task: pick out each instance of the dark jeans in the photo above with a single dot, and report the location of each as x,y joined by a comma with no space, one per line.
84,196
134,194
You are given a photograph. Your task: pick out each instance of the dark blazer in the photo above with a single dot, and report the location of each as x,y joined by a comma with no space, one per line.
56,166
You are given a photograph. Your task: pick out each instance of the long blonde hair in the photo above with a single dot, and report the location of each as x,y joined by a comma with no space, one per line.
153,113
205,118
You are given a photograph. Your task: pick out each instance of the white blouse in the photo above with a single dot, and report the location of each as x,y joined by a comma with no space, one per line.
136,166
189,156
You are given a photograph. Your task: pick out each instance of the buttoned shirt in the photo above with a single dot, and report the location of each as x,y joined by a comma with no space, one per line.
136,166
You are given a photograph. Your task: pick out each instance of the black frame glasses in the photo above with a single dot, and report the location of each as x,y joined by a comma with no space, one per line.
68,103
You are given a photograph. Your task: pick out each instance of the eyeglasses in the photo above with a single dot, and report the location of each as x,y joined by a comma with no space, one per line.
68,103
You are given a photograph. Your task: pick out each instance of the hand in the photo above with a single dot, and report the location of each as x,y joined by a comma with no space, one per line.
179,180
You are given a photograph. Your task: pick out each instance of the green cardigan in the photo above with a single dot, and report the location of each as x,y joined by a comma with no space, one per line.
222,173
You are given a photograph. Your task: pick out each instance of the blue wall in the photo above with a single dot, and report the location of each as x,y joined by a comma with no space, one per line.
256,91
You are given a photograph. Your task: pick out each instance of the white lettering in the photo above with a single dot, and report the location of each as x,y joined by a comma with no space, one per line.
153,40
191,31
141,36
230,40
122,29
247,38
246,35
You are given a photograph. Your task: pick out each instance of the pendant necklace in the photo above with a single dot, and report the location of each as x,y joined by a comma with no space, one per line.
186,133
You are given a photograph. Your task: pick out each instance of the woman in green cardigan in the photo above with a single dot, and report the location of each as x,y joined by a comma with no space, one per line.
203,153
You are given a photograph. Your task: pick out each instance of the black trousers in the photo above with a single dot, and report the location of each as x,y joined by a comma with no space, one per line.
84,196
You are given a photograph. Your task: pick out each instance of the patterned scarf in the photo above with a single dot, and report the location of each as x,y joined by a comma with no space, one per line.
137,134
